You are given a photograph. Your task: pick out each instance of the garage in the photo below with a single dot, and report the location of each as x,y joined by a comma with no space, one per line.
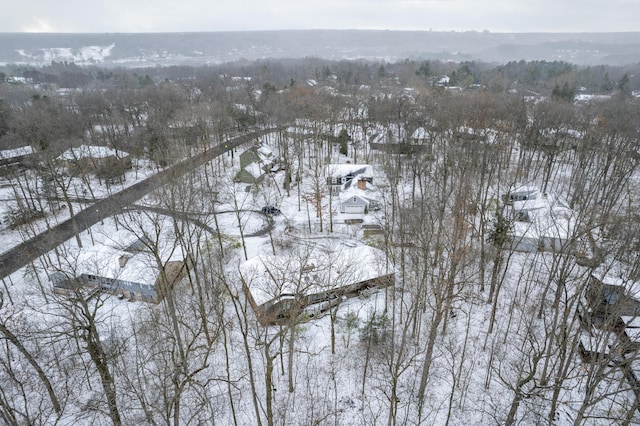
354,205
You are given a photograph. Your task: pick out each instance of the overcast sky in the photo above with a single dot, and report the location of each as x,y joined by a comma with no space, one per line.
237,15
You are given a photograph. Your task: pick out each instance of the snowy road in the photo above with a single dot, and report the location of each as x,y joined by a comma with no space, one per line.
26,252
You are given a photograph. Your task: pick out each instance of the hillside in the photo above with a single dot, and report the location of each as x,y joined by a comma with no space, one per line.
148,49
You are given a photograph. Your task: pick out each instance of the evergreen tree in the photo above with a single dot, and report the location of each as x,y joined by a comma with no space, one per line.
564,93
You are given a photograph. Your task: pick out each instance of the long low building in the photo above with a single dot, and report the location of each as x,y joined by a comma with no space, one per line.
280,288
125,269
15,155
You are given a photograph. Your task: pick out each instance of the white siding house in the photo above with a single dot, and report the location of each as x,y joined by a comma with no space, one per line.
354,205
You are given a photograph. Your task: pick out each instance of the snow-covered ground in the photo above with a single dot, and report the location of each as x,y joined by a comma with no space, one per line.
360,364
81,192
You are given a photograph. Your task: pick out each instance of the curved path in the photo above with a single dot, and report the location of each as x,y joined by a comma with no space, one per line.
189,217
28,251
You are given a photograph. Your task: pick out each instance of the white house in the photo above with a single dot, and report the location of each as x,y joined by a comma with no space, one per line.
353,186
354,205
420,136
341,176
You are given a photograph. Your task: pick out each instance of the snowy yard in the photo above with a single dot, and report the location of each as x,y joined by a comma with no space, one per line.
469,334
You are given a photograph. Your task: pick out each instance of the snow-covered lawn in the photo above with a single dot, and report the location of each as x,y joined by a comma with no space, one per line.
360,363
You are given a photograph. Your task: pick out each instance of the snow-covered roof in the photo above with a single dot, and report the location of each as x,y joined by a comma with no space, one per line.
616,273
254,170
392,134
632,323
420,134
117,128
299,129
599,341
269,276
139,268
574,133
561,132
442,80
524,189
265,152
548,217
91,151
487,135
531,204
584,97
103,259
349,195
341,170
557,222
16,152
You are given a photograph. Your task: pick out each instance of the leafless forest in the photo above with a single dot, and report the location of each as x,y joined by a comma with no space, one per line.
476,328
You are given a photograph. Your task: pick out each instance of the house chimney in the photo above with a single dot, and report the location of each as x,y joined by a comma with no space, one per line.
362,183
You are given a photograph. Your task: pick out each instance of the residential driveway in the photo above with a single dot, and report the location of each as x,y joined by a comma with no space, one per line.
28,251
193,218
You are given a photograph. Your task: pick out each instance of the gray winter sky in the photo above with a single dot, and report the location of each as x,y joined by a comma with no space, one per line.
238,15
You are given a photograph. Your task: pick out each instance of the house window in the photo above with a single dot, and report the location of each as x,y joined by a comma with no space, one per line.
610,295
354,199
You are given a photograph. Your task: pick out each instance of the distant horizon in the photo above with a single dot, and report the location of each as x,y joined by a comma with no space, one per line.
204,47
171,16
315,29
